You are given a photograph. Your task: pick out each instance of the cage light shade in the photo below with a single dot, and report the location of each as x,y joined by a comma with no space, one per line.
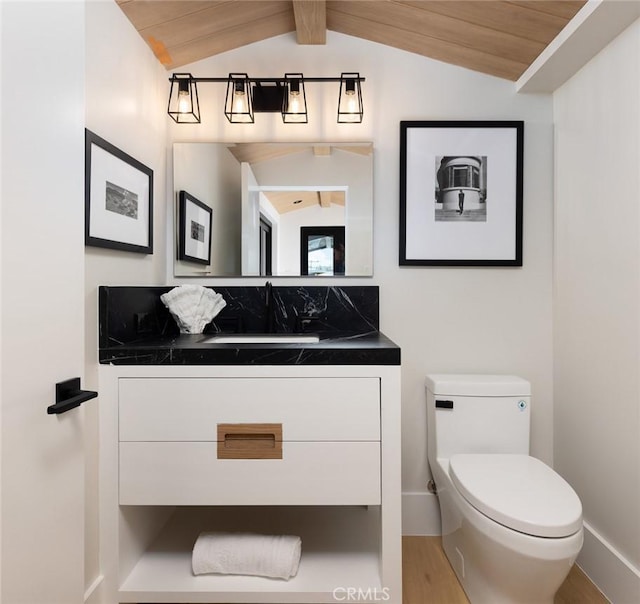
184,107
238,106
294,100
350,108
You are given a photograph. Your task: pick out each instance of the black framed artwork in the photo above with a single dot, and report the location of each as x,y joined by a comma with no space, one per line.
195,220
118,193
461,187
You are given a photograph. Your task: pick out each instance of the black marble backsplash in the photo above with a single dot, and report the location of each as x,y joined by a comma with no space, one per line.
128,314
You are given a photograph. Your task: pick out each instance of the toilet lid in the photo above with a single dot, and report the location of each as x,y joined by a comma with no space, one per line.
518,491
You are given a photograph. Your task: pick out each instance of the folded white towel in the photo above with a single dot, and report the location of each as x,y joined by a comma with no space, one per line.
275,556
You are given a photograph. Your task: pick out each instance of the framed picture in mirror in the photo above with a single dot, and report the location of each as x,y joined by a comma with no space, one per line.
195,219
118,193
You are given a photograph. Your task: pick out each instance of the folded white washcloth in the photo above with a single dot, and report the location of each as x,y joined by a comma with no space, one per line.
193,306
275,556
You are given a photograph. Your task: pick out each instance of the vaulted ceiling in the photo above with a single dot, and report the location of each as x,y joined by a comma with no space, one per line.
500,38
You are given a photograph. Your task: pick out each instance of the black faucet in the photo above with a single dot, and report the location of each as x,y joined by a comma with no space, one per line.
269,308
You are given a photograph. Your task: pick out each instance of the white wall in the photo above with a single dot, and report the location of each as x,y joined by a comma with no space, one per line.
597,308
445,319
126,98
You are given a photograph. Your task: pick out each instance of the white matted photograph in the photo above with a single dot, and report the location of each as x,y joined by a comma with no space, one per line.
118,198
461,191
195,220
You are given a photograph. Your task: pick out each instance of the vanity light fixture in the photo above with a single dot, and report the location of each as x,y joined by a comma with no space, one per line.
183,99
247,96
350,109
294,100
238,106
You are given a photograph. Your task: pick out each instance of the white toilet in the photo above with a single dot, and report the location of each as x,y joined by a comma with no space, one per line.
511,526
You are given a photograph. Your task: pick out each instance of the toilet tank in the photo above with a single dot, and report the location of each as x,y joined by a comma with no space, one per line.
477,414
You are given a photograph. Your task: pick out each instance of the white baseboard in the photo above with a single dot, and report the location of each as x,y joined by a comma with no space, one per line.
420,514
91,595
611,572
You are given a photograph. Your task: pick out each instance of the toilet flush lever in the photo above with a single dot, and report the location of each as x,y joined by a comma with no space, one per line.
444,404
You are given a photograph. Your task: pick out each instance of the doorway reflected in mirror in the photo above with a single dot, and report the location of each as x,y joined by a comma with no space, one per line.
322,251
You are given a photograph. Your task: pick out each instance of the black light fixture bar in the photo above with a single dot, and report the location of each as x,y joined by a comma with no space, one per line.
267,80
246,96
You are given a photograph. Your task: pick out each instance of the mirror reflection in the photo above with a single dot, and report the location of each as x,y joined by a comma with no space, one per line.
281,209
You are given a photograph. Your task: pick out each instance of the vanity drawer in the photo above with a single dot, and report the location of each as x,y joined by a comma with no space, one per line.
309,409
190,473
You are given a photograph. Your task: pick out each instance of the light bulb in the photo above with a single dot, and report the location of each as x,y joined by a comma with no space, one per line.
238,102
294,102
352,102
184,102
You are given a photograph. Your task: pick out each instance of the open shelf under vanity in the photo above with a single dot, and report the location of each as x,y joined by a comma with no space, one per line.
340,550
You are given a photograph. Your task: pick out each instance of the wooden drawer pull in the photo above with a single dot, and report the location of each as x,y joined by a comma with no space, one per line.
249,441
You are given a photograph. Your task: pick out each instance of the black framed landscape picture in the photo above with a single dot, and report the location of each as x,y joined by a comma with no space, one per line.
461,187
195,220
118,198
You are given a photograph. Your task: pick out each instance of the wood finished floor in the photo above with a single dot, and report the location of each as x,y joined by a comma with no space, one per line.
427,578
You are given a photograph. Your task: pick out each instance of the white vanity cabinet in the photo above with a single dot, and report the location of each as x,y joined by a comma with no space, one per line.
306,450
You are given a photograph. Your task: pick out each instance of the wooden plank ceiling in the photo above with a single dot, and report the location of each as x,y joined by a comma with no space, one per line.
500,38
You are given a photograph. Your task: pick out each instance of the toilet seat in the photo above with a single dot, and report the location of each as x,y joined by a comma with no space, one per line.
519,492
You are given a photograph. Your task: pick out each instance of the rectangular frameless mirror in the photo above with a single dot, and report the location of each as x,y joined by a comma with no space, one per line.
276,209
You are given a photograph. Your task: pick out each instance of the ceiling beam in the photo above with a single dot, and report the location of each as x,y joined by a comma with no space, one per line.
593,27
325,198
311,21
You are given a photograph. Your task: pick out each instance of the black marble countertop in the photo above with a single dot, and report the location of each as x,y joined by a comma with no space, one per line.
372,348
135,328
